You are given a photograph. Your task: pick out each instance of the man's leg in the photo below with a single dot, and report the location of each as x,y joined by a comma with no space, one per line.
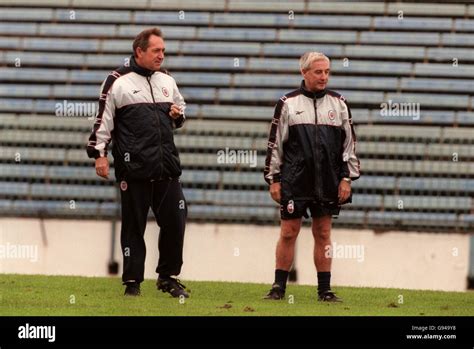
170,209
321,228
285,252
135,205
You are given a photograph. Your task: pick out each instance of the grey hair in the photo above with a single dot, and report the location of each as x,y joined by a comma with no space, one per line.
309,57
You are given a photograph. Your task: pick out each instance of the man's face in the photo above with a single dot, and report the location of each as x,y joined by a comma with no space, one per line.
317,76
154,55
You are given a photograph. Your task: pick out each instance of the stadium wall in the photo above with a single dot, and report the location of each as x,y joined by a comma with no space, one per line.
242,253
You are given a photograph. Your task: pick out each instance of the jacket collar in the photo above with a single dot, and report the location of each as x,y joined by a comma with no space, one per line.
310,94
138,69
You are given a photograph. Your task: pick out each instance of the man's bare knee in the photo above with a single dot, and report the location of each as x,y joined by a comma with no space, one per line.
290,230
323,234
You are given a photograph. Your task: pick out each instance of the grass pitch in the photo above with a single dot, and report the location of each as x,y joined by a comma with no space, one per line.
39,295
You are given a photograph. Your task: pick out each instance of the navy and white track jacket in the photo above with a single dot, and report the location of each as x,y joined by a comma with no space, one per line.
311,146
133,112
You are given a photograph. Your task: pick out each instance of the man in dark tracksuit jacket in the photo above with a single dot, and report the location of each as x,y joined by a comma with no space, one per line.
310,163
139,107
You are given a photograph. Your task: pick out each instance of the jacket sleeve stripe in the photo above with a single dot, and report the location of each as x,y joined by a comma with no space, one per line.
349,154
94,147
271,171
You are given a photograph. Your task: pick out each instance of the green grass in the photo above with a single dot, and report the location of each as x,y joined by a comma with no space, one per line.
36,295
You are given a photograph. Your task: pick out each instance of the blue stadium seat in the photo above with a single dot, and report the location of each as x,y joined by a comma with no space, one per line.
462,151
33,74
338,22
45,137
26,14
427,9
268,80
296,50
45,58
250,19
350,9
114,4
81,30
407,219
399,38
350,217
457,39
457,134
215,142
200,177
465,25
18,28
412,23
94,16
323,36
72,192
448,53
185,4
444,85
445,168
248,94
444,70
424,117
56,44
205,79
75,173
273,64
391,148
14,189
75,91
363,97
361,201
371,67
431,100
55,208
375,182
89,76
9,43
182,32
6,207
173,18
462,186
271,6
219,48
14,90
363,82
465,118
194,195
237,34
113,61
242,178
109,209
387,52
198,93
31,154
247,214
211,63
227,127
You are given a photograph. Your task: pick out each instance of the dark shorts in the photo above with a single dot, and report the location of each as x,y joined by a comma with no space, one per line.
298,209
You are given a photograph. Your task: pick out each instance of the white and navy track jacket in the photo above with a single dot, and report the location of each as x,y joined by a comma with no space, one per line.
311,146
134,108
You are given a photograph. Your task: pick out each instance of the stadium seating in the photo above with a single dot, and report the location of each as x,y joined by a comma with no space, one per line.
232,60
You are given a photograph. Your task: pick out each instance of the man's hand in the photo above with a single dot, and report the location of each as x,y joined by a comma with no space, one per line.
344,191
275,191
102,167
175,111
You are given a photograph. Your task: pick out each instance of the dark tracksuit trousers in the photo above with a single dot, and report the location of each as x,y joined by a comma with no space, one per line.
166,199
